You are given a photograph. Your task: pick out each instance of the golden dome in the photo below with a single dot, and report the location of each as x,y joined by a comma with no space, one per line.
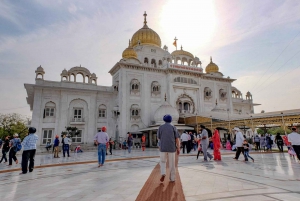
129,52
212,67
182,52
146,36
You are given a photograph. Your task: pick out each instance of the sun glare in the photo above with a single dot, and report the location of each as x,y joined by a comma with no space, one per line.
193,22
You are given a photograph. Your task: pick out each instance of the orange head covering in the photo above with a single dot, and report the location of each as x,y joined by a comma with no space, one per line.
103,129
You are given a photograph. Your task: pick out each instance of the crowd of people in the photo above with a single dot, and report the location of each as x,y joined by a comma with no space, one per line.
169,140
14,145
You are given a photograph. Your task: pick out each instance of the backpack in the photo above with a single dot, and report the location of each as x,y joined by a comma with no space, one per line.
18,146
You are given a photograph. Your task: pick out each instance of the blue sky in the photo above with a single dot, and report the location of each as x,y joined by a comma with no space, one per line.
255,42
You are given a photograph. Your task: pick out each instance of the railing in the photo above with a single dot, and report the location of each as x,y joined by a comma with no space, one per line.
77,120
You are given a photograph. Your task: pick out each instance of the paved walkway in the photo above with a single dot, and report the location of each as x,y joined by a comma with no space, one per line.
274,176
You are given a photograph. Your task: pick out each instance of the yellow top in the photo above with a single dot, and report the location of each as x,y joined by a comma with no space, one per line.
146,36
129,52
182,52
212,67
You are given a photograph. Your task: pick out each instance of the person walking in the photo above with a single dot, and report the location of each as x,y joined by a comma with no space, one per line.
12,151
184,140
111,143
205,143
5,149
279,142
168,136
246,150
66,143
56,146
143,142
217,145
129,142
257,142
294,139
100,139
268,142
263,142
29,149
239,144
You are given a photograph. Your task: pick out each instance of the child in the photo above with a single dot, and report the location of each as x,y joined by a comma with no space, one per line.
228,145
246,150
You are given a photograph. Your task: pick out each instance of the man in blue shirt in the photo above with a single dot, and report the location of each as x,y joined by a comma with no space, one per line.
29,149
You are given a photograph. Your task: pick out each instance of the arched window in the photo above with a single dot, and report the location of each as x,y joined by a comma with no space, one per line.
135,111
102,111
80,78
135,86
160,62
207,93
153,62
146,60
49,110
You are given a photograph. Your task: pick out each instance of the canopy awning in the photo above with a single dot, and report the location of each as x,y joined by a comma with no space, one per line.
179,127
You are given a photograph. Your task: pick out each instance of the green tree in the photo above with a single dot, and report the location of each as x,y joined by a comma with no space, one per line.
11,124
276,130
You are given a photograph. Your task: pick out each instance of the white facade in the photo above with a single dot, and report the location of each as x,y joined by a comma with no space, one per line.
140,83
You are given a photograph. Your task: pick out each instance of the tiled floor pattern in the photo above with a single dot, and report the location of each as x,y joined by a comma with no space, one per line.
272,177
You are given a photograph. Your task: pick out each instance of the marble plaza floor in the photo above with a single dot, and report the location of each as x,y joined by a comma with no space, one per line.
273,176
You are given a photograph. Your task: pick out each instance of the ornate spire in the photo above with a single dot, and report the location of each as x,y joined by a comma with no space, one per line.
145,19
181,47
210,59
129,45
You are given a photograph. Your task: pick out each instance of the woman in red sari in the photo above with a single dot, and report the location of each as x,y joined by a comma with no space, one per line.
217,145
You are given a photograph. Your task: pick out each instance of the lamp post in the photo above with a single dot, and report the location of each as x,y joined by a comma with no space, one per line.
211,123
252,126
283,124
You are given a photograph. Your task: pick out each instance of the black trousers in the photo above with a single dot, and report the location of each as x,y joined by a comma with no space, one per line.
3,155
110,149
184,146
280,147
297,150
12,156
238,152
28,155
257,145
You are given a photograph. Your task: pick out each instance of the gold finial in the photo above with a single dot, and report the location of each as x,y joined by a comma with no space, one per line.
145,20
129,45
181,47
165,97
210,59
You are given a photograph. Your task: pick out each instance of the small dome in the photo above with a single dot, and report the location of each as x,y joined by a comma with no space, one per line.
212,67
64,72
93,75
129,52
164,109
146,36
40,69
182,52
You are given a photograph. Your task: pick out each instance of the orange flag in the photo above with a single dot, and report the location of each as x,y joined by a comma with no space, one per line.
175,43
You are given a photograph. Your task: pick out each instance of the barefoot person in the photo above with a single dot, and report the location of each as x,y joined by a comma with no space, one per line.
205,143
12,151
168,137
217,145
101,138
239,139
29,149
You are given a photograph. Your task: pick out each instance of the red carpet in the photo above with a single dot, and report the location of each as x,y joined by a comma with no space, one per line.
154,190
